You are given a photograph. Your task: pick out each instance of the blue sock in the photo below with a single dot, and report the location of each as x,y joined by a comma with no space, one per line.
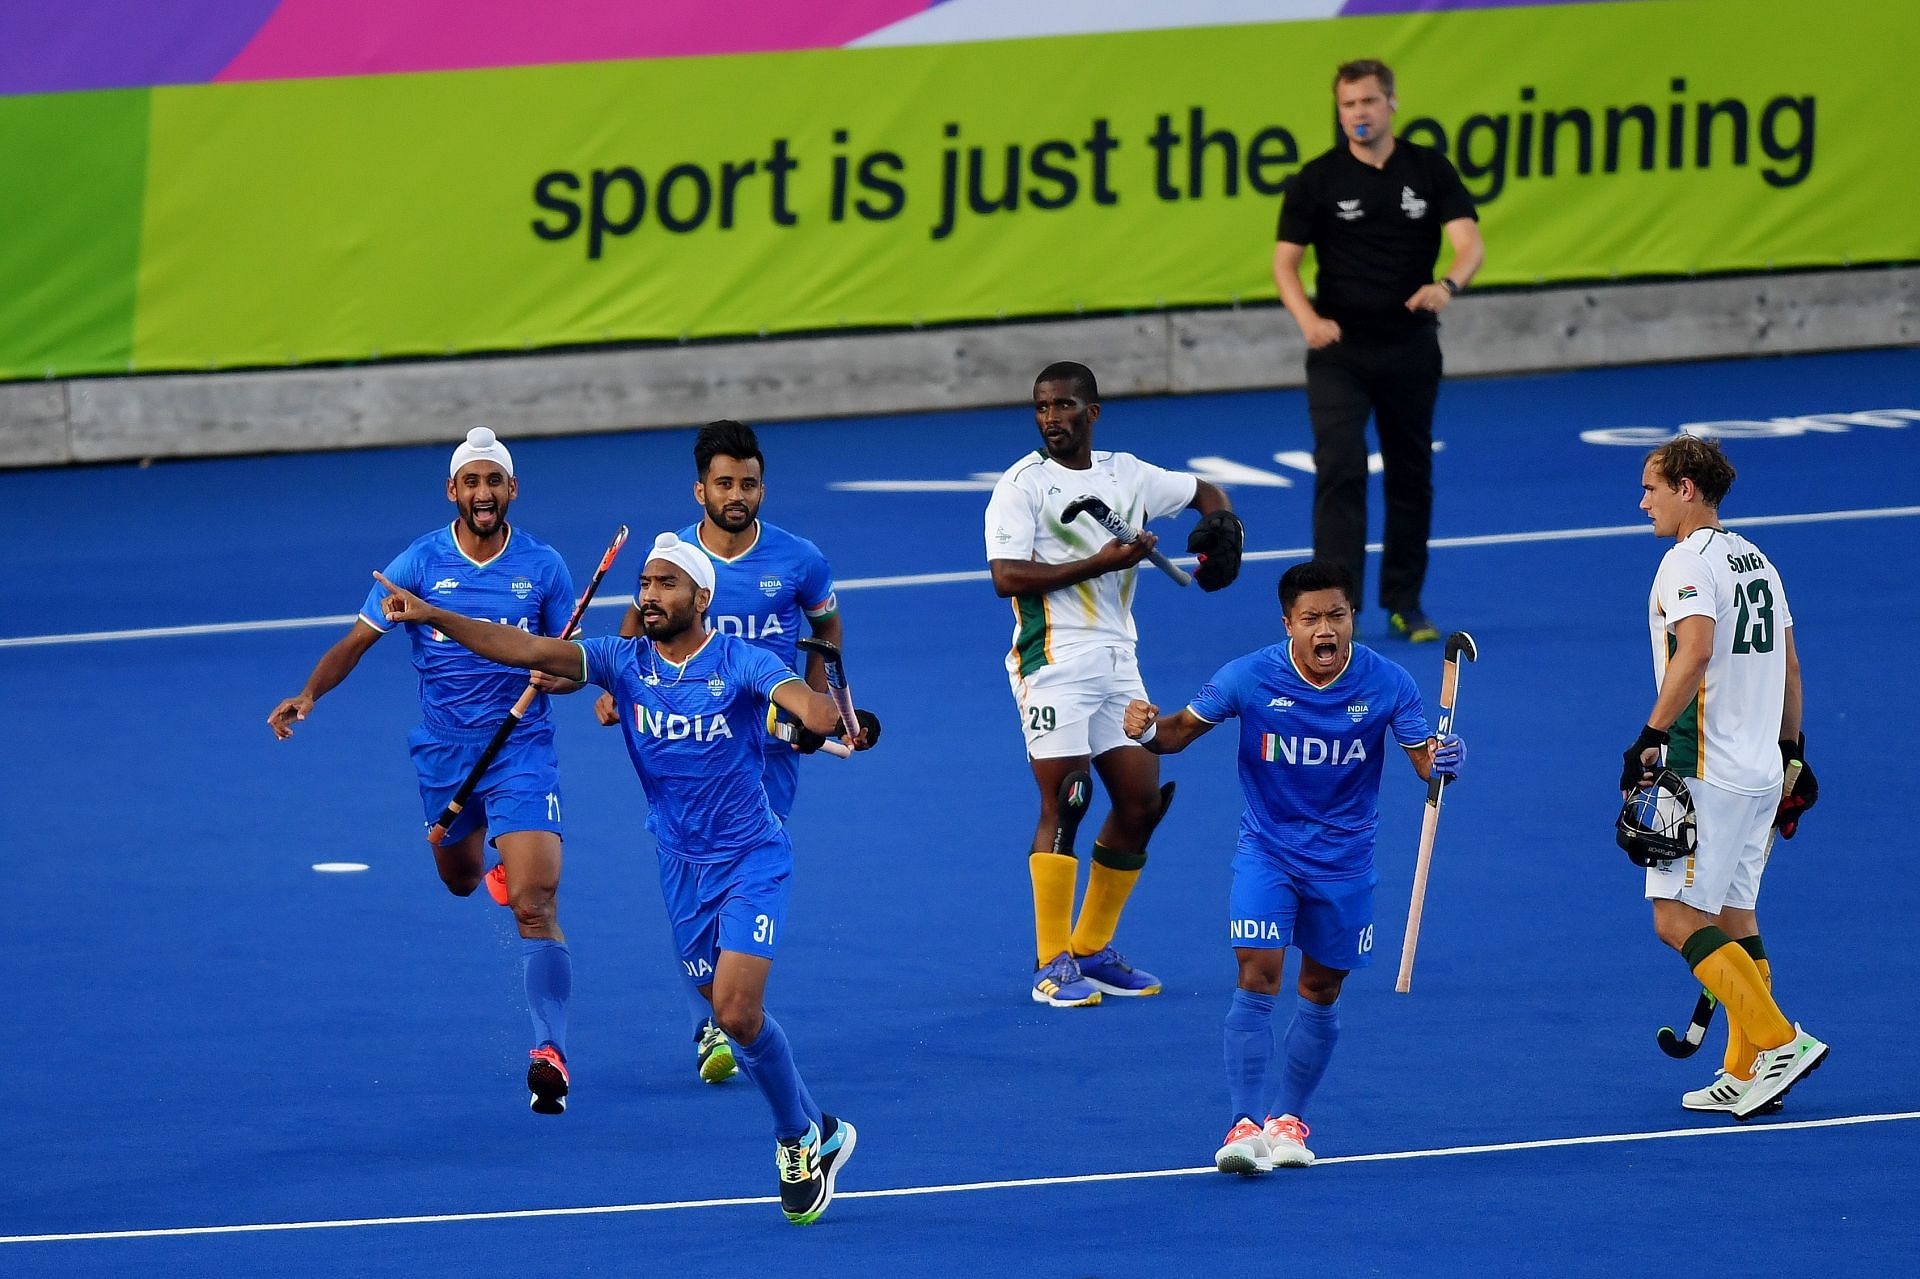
1305,1052
1249,1044
769,1064
547,969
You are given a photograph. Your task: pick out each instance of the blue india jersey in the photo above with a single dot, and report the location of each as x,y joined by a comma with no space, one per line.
1310,758
697,736
765,594
526,585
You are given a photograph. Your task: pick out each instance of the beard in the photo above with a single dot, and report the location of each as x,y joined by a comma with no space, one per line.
734,517
665,625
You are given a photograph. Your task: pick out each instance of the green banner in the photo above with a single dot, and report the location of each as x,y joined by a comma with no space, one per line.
71,173
351,219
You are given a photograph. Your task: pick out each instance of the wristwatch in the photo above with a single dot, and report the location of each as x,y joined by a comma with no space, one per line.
1453,290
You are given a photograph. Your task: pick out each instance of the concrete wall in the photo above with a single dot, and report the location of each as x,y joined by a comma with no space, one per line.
112,419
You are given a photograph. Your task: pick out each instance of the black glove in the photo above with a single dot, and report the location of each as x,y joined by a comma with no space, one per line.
1217,539
805,740
1805,791
870,725
1635,771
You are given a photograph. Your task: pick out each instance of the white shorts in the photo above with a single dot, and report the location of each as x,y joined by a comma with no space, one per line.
1735,834
1076,707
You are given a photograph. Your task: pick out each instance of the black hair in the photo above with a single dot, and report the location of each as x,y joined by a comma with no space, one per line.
735,439
1314,575
1081,377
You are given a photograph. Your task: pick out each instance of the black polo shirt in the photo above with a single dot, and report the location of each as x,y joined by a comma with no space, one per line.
1375,232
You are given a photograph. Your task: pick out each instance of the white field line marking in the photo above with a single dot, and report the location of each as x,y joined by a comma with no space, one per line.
980,575
1843,1121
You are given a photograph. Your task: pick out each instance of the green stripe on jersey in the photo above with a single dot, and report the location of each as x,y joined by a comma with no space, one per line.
1683,739
1030,642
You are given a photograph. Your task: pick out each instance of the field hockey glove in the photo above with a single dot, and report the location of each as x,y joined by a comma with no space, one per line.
1217,539
1805,792
1448,755
1636,770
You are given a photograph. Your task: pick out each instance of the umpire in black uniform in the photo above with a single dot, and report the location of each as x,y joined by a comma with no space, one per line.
1373,209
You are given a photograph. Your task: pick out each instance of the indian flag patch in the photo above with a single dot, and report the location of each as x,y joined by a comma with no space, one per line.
1687,592
1269,747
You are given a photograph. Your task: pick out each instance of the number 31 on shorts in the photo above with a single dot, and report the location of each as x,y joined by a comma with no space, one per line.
763,929
1040,719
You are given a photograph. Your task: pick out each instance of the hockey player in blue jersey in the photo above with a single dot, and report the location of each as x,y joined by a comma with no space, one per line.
768,583
1315,714
482,566
693,706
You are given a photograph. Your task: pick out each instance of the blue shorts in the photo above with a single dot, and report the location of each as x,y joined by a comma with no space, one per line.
519,791
738,905
1331,921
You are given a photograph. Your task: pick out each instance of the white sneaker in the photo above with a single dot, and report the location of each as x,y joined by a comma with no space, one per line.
1244,1151
1776,1070
1287,1142
1721,1094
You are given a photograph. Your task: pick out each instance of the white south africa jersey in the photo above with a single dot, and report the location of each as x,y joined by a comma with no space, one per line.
1729,732
1023,523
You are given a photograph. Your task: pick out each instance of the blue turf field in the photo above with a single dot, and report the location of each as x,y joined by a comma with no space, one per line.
208,1033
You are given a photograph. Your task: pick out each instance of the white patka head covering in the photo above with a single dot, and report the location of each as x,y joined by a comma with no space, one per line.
669,547
481,445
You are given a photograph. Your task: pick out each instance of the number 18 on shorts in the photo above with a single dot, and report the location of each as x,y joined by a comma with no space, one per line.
1329,920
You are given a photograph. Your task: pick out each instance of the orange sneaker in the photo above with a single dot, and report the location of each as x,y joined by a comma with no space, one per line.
547,1080
1287,1142
496,882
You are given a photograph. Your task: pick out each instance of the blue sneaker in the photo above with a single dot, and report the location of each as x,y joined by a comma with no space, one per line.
1060,985
1110,973
809,1165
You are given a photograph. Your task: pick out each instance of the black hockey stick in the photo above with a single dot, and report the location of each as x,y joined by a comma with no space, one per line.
1687,1045
1122,532
443,823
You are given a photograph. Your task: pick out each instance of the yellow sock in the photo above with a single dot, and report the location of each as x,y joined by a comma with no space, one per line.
1109,883
1730,973
1052,902
1740,1050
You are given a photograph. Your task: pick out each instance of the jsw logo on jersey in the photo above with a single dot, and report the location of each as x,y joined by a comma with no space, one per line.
1254,930
679,728
1275,749
748,628
697,967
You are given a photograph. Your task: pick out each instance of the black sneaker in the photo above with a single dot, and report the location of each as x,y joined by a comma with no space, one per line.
547,1080
1415,625
808,1166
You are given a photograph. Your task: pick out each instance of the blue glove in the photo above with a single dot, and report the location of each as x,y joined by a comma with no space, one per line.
1449,755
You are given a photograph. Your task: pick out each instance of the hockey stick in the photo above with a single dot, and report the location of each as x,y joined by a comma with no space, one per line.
443,823
1122,532
1459,644
1684,1046
836,680
1076,791
789,732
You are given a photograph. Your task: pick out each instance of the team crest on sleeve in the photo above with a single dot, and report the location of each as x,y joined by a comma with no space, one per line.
1356,711
1001,536
716,685
522,587
769,586
1688,592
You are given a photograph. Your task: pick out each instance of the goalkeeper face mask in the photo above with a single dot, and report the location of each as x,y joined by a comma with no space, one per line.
1656,825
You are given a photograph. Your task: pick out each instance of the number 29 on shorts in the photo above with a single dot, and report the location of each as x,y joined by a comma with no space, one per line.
1040,719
